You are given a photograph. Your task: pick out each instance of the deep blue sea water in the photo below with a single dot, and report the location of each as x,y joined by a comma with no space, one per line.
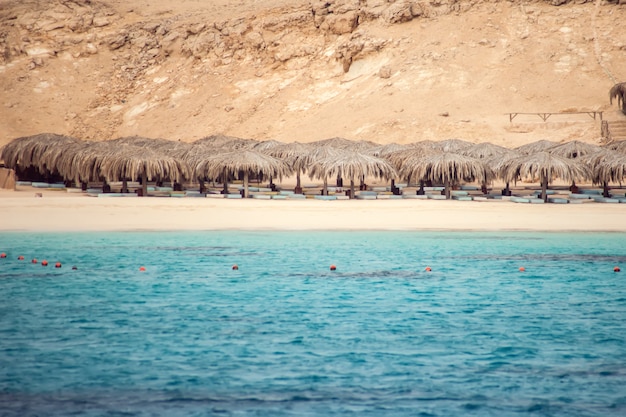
285,336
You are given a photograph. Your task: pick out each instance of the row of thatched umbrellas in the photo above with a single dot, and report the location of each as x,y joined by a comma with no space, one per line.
449,162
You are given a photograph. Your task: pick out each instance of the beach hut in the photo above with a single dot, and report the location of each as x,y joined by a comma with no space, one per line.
447,168
242,160
351,164
545,167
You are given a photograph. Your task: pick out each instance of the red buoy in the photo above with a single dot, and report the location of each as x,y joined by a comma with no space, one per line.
333,268
142,268
57,265
522,269
3,255
428,269
616,269
235,267
34,261
20,258
44,263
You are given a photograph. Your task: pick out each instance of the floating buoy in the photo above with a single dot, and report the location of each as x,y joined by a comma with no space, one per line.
74,267
3,255
235,267
616,269
522,269
34,261
142,268
44,263
428,269
57,265
333,268
20,258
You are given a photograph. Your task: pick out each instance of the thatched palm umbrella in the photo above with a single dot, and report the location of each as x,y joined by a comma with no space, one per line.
610,170
485,150
55,159
451,145
498,162
534,147
619,146
381,151
226,142
115,161
295,155
28,151
350,164
448,168
264,147
167,147
134,163
618,91
492,155
572,150
317,154
599,164
243,160
545,167
411,157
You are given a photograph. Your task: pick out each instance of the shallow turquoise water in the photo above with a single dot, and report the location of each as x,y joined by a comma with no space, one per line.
285,336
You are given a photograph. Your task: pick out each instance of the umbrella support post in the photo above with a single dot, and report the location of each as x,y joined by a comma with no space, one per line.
544,189
605,190
421,191
507,191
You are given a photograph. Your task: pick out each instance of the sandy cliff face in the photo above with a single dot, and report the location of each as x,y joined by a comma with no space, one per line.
387,71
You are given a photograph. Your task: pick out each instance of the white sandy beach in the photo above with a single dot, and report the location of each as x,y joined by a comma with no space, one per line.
56,211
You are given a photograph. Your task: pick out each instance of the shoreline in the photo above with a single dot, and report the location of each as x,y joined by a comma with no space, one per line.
75,213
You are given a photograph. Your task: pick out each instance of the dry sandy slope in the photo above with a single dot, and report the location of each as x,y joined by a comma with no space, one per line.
269,71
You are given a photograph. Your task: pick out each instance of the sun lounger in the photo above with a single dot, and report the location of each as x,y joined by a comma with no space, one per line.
285,192
414,197
296,197
325,197
366,197
600,199
462,197
342,197
383,197
436,197
519,200
591,192
233,196
536,201
470,188
555,200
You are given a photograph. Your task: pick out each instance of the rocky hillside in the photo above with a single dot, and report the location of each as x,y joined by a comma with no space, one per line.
382,70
